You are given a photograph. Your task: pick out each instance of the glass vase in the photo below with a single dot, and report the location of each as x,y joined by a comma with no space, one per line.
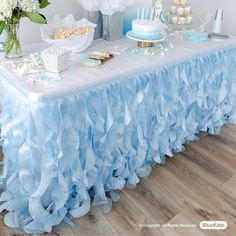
12,43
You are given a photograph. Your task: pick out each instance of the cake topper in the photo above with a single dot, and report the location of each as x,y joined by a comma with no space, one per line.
157,5
204,24
155,14
145,14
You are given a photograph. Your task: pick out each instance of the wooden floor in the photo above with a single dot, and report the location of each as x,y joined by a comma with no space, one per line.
197,185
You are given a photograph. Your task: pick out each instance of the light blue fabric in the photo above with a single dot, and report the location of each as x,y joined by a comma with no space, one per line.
197,36
65,155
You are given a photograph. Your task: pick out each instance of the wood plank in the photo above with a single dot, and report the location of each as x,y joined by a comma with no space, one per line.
126,218
225,139
180,225
230,185
229,134
220,152
220,142
61,230
155,208
188,201
206,159
94,223
230,231
204,184
4,231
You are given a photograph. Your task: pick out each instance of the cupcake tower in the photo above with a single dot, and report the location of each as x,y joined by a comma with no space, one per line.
180,12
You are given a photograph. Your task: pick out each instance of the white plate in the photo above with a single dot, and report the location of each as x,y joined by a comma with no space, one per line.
157,40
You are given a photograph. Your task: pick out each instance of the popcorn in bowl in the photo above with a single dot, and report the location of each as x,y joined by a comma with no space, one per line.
71,33
75,36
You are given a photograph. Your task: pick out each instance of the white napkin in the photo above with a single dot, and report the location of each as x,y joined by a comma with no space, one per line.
107,7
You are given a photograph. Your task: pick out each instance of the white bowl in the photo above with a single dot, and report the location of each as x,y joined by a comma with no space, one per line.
75,44
55,59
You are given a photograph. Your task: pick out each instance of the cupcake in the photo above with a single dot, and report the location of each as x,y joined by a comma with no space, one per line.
180,11
174,20
182,20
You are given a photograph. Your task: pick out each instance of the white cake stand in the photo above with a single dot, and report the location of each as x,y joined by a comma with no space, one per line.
146,43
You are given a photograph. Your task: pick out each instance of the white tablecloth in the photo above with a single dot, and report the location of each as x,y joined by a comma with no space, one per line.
62,155
78,78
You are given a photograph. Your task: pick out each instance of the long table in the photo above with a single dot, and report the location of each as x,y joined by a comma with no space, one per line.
75,143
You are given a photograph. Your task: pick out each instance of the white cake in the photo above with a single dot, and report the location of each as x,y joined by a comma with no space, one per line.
147,29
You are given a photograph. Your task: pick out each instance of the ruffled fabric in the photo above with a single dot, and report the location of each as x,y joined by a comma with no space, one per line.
63,156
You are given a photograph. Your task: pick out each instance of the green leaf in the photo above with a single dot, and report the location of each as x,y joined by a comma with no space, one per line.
2,26
43,3
34,17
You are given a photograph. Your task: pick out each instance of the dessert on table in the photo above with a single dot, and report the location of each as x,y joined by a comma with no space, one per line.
180,12
147,29
96,59
147,25
75,36
67,33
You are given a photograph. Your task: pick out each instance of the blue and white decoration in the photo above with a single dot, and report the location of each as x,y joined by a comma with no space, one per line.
65,155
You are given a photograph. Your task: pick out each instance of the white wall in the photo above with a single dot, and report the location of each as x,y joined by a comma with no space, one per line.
229,7
29,32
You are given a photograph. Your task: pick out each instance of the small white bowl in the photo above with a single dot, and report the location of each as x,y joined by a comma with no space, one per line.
75,44
55,59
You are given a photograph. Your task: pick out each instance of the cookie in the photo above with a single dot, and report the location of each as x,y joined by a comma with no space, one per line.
101,54
91,63
96,57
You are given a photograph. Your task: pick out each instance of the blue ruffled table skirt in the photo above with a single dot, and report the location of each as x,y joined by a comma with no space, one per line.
64,155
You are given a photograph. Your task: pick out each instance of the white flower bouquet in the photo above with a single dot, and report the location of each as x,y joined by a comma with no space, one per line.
11,11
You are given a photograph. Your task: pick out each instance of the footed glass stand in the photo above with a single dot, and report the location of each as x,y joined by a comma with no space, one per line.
142,44
146,43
